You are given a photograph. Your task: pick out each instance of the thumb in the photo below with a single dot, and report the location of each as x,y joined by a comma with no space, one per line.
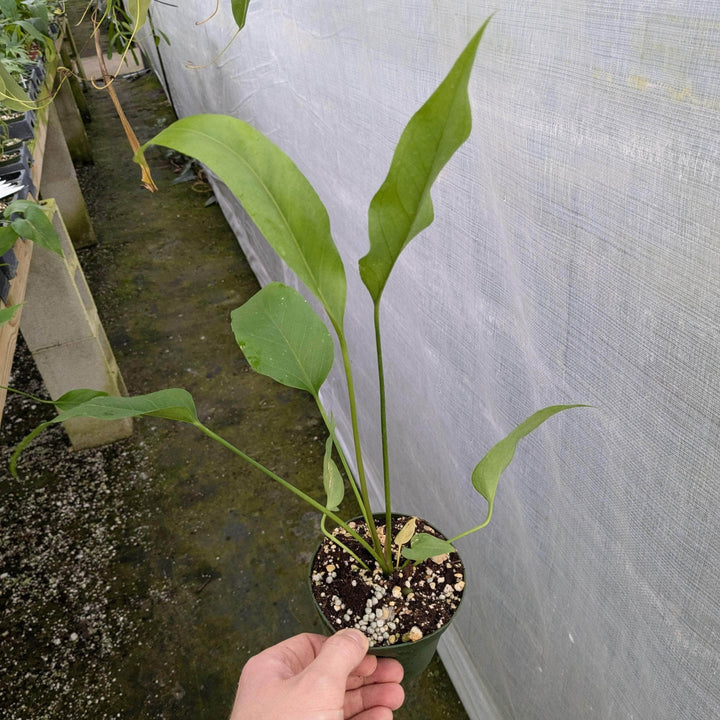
340,655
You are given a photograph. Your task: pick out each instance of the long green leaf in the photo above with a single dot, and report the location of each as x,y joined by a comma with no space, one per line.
74,398
12,96
487,472
37,29
239,11
282,337
276,195
402,207
65,402
172,404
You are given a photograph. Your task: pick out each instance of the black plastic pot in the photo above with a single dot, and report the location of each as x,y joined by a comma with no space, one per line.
8,266
20,160
22,126
413,656
4,288
8,261
32,79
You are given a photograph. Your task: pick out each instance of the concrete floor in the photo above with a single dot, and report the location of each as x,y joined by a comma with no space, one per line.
173,563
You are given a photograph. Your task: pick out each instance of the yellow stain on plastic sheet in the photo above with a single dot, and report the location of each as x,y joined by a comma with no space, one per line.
639,83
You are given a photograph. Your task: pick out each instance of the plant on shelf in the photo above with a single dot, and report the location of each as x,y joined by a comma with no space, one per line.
25,32
283,337
29,220
25,44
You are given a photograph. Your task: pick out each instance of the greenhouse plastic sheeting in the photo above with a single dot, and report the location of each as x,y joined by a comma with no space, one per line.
574,257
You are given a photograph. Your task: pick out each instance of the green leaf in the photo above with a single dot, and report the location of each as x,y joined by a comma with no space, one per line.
137,9
33,30
402,207
171,404
65,402
12,96
276,195
8,238
425,546
10,9
332,479
487,472
35,226
6,314
239,11
73,398
282,337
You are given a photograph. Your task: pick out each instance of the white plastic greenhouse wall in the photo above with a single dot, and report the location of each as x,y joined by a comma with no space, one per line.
574,257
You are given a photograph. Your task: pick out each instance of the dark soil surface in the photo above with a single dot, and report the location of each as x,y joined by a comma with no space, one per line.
410,603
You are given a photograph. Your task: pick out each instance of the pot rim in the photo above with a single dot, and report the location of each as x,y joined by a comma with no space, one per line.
434,635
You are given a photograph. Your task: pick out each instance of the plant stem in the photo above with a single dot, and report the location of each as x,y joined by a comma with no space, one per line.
387,567
311,501
384,437
339,543
471,531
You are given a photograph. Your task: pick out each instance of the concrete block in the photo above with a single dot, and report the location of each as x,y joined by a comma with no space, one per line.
88,433
61,308
72,125
59,181
61,326
82,365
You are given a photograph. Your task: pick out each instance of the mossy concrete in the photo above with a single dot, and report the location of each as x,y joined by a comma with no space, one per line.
209,557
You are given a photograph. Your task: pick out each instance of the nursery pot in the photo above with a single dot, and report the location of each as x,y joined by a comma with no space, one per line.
415,655
14,159
20,126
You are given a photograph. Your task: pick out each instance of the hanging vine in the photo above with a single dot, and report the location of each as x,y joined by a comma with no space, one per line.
124,20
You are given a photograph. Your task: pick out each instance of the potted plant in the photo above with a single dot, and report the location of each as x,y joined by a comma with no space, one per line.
14,156
395,560
21,218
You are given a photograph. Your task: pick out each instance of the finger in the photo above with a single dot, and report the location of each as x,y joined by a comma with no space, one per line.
290,657
366,668
374,714
339,656
387,670
378,695
380,671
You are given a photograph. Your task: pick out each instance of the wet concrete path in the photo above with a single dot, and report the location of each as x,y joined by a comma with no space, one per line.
138,578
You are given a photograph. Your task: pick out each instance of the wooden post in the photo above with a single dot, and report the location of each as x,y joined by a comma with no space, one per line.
8,332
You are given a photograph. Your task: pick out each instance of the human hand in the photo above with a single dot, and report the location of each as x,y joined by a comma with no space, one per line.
312,677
